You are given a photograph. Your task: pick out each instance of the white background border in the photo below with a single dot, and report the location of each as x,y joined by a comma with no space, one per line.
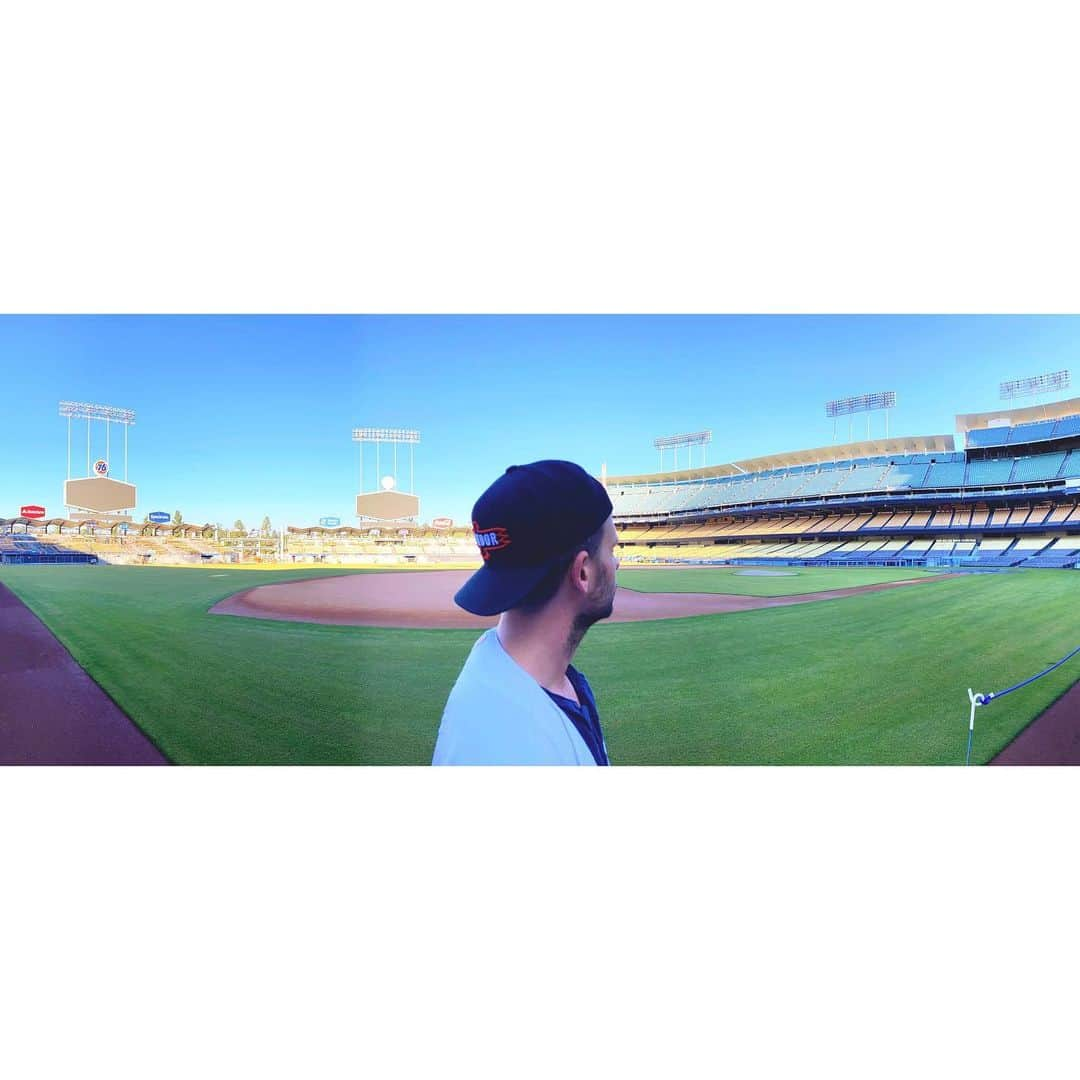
565,157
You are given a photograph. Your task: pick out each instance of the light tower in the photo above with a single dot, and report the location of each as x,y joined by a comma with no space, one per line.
673,442
1036,386
97,493
867,403
384,501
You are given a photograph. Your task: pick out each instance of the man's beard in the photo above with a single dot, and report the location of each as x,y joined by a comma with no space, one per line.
593,614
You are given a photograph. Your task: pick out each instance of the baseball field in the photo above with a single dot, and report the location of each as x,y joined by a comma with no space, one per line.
878,677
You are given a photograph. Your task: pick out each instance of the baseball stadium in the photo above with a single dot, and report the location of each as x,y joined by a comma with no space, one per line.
869,602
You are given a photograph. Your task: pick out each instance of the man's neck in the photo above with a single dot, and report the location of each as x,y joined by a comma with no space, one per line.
542,645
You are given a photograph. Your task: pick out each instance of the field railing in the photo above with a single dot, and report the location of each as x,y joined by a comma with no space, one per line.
978,700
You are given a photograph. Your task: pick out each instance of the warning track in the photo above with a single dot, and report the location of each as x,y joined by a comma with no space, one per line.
1052,738
426,601
51,711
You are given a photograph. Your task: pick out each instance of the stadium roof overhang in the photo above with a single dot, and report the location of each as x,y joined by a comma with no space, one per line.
36,522
320,530
163,526
911,444
44,522
1029,414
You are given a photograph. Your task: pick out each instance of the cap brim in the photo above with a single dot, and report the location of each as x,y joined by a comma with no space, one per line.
491,592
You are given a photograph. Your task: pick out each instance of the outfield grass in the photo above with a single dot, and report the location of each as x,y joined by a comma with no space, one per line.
873,679
222,690
735,579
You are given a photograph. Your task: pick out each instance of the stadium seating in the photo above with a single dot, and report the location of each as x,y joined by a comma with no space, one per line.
1031,545
982,437
1070,467
1061,554
944,475
992,553
995,553
1037,467
956,524
988,473
1037,431
16,548
843,480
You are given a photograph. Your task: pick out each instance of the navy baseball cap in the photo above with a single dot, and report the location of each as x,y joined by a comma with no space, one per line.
525,523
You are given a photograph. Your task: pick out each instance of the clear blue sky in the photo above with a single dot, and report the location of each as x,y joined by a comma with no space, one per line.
243,416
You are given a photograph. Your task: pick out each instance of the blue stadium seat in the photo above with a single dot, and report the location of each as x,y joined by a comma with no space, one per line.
945,474
991,473
1071,465
1036,432
988,437
1037,467
1067,425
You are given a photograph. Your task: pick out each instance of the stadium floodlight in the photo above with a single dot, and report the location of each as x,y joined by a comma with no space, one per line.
860,403
867,403
673,442
109,415
80,410
381,435
696,438
1035,385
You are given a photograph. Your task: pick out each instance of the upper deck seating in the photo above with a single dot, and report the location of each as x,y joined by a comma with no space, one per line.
989,473
997,436
787,486
1018,434
861,478
1037,467
1067,426
913,472
944,474
1033,432
910,474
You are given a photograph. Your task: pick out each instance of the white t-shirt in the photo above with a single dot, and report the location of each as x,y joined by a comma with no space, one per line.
498,714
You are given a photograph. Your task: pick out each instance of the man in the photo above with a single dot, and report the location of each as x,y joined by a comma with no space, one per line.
548,542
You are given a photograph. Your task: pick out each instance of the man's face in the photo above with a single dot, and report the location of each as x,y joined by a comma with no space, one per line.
601,598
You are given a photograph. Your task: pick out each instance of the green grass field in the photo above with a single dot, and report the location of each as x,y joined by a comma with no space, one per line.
874,679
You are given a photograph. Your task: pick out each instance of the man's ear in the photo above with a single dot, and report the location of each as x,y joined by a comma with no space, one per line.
579,575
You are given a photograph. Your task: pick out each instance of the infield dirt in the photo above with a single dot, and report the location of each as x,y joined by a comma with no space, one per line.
426,601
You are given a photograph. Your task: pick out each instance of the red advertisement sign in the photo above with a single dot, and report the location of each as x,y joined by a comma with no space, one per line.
32,511
442,523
